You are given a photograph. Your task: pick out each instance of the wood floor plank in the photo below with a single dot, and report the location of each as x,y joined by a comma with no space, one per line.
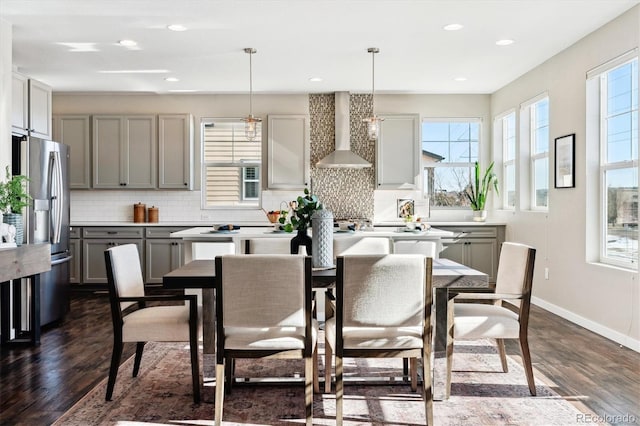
39,384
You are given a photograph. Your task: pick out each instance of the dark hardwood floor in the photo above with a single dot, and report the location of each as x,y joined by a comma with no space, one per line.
39,384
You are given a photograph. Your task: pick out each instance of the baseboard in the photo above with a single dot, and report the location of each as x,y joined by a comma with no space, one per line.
617,337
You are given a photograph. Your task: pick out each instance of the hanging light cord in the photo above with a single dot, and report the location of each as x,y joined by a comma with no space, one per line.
250,51
373,80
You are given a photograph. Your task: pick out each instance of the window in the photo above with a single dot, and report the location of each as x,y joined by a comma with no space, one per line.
449,151
230,164
540,154
619,163
509,160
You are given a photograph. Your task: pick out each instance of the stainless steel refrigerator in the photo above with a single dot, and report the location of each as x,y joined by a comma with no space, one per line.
46,164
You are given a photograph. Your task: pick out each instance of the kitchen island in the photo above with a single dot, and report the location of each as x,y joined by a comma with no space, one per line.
233,241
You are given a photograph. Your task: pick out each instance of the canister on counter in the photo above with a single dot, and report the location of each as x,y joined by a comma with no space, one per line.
139,212
152,214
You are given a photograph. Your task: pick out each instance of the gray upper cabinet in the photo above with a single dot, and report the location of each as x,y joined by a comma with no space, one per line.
398,152
74,130
30,107
288,147
175,151
124,151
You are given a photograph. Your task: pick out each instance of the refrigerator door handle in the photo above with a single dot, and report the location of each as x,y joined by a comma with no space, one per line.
57,195
59,261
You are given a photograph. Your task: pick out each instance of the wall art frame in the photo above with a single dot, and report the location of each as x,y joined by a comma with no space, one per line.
564,161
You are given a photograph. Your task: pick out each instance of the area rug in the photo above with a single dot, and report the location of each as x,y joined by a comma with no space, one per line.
480,394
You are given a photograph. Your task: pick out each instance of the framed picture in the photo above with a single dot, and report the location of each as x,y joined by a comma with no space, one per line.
405,207
565,158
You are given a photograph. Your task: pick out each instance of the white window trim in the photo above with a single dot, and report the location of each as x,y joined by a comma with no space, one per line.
526,152
501,141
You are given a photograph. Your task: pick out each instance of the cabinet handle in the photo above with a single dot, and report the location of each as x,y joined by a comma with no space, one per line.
186,184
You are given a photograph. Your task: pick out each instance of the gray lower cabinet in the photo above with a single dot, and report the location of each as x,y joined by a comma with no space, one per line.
162,254
75,249
475,246
96,240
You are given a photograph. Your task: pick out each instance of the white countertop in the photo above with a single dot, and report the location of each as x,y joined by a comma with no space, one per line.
267,224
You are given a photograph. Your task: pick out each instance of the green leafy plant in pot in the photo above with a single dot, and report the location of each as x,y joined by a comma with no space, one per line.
13,198
302,209
478,190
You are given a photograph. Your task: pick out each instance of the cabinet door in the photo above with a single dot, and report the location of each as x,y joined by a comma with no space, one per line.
19,104
139,157
39,109
288,152
482,255
107,151
75,248
73,130
94,270
453,250
162,256
398,152
175,151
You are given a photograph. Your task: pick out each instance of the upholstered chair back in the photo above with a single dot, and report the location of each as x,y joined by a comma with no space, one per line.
512,269
383,290
281,282
127,274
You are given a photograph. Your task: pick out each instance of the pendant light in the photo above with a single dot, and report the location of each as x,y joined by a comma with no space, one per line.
373,122
251,122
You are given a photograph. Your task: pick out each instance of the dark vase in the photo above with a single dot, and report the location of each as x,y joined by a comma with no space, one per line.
301,239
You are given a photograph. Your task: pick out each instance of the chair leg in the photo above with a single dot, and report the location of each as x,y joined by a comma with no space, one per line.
309,385
113,370
526,362
195,368
219,393
138,358
449,349
414,374
229,376
427,387
405,367
503,355
327,367
339,391
316,379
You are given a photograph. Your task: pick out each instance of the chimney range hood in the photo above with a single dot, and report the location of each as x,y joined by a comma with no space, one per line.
342,157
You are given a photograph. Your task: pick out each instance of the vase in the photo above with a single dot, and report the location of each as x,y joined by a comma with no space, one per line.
479,215
322,228
15,219
301,239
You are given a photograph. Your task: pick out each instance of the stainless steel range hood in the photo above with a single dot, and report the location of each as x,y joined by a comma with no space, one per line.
342,157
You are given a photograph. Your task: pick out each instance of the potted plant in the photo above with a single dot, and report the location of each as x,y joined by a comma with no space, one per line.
13,198
478,190
302,209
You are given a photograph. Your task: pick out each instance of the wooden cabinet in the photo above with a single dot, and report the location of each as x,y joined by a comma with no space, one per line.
74,130
124,151
30,107
96,241
175,151
475,246
288,149
162,254
398,152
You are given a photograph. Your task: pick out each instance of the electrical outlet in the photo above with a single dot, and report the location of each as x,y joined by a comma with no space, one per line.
546,273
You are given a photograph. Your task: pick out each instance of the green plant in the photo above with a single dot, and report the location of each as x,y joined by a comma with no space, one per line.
13,193
478,189
302,209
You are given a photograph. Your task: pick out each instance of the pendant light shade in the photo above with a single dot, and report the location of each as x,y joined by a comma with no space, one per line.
251,122
373,122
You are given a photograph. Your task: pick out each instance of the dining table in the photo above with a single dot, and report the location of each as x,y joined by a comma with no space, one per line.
448,278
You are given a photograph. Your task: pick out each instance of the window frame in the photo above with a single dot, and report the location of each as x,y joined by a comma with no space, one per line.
504,138
535,156
528,156
241,165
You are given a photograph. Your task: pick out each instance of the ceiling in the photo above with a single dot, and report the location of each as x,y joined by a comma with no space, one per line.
72,45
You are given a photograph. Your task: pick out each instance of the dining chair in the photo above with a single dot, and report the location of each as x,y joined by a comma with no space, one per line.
507,315
347,246
383,310
263,308
134,321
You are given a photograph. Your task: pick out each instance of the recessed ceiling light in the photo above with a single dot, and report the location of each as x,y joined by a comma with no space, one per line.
177,27
171,79
504,42
453,27
127,43
315,79
460,79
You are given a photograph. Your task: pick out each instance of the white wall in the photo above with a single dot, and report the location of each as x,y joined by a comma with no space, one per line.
604,299
5,95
